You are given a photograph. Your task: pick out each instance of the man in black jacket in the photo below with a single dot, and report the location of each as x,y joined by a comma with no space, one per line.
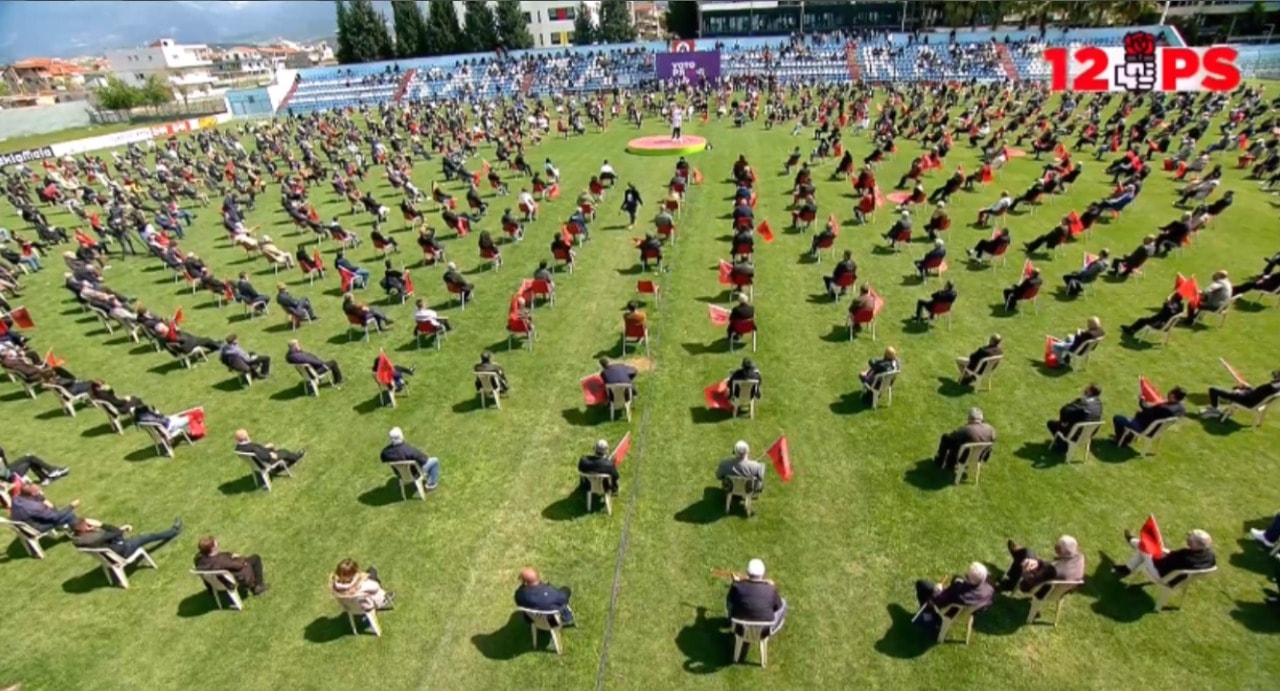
487,364
946,296
1135,259
540,596
265,454
249,295
1170,309
454,279
298,308
970,364
1086,408
1149,413
297,356
843,276
618,373
398,450
88,534
1243,395
599,463
1196,556
972,590
753,598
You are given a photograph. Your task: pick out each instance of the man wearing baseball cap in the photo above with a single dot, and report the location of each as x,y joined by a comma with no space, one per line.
754,599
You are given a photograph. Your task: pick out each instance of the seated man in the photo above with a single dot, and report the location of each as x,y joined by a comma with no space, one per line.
187,343
1028,573
1242,395
1076,279
650,251
536,595
453,279
599,462
932,259
1173,234
1135,259
945,296
1267,283
990,245
361,274
1075,343
741,466
938,222
1148,413
1196,556
392,279
398,383
755,599
970,364
618,373
1003,204
974,431
15,471
826,236
363,313
297,356
633,318
845,273
398,450
1086,408
748,372
1058,235
1171,308
971,591
423,314
901,228
31,507
741,313
240,360
875,368
246,570
266,454
91,534
1214,297
250,295
298,308
487,364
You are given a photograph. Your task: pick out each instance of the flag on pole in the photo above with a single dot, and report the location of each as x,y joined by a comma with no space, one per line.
384,371
316,261
781,457
765,231
1148,392
717,396
986,175
178,317
620,451
697,176
1074,223
1150,542
1187,288
593,391
22,317
1028,268
1234,374
719,315
725,269
53,360
1050,357
347,279
833,225
408,283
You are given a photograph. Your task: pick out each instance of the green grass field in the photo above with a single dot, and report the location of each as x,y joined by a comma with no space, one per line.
864,516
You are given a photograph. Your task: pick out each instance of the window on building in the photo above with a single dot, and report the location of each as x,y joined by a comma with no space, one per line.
556,38
561,14
540,41
568,38
139,77
528,18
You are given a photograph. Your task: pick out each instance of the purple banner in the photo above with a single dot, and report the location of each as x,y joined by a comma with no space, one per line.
692,66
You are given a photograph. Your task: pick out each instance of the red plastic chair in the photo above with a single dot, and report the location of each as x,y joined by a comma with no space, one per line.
544,289
739,329
429,330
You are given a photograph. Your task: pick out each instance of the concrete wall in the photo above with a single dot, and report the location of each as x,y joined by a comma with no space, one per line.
22,122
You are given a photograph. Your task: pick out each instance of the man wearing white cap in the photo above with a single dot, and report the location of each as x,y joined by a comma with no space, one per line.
397,450
756,599
741,466
599,463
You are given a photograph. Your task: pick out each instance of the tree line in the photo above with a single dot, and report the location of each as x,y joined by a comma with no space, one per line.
364,34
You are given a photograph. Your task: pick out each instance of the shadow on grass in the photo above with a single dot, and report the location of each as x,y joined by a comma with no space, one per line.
926,475
231,385
997,311
385,494
197,604
839,333
51,414
166,367
1004,618
1257,617
851,403
15,552
952,388
370,405
86,582
470,405
290,393
587,417
1106,451
571,506
1041,454
1113,598
1253,555
146,453
702,415
327,629
241,485
707,644
1047,371
904,640
100,431
708,509
1132,342
510,641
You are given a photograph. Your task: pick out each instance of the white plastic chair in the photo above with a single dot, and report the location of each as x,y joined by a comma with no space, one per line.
490,388
596,487
312,380
1150,436
114,565
69,400
1080,359
1058,590
221,582
113,416
743,393
410,474
747,633
30,537
1259,411
740,488
956,615
882,386
619,399
162,439
353,607
262,473
1176,583
1079,439
540,620
971,454
984,372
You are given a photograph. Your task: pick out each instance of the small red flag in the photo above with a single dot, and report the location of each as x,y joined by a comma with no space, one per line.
85,240
833,225
717,396
475,178
172,334
593,391
877,302
765,231
316,261
725,269
719,315
22,317
1050,357
1074,223
347,278
646,287
986,176
408,283
53,360
879,198
565,235
195,422
384,372
620,451
1234,374
1028,268
554,192
1149,540
1187,288
697,176
781,456
1148,391
464,227
178,317
1060,151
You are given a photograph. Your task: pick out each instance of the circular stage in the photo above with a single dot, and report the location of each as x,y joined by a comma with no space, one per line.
665,146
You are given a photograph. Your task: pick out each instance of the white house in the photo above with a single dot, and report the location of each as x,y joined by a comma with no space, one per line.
187,68
550,22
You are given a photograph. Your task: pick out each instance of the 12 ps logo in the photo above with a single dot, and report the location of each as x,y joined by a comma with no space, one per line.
1142,66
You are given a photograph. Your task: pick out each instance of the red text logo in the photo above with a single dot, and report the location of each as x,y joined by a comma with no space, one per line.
1141,66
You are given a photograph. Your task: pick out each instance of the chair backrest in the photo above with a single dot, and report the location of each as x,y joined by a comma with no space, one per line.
407,471
155,430
1158,427
541,286
424,328
987,366
305,371
596,482
751,631
958,614
635,332
106,556
743,326
351,604
740,485
488,382
884,381
940,308
1083,432
744,389
1183,578
250,458
220,581
24,529
1087,348
975,451
1057,590
617,392
546,620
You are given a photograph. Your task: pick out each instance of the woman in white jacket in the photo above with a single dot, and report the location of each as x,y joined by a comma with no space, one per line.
348,581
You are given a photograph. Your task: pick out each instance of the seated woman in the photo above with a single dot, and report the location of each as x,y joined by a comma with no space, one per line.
348,581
